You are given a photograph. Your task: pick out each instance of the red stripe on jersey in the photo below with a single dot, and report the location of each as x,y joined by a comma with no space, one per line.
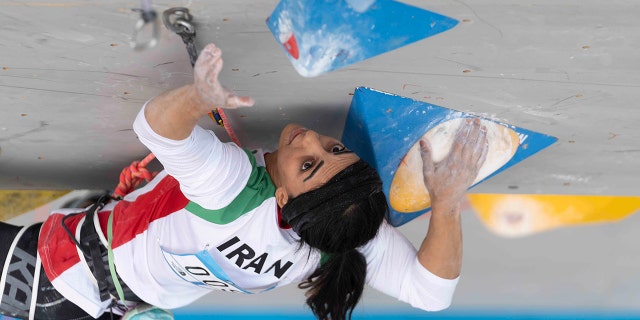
57,250
133,218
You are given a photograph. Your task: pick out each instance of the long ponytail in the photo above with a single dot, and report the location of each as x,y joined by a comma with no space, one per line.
335,288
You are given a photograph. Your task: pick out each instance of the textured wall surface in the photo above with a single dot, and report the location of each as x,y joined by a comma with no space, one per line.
70,87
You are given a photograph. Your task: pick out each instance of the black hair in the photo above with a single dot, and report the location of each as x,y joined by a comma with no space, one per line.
337,218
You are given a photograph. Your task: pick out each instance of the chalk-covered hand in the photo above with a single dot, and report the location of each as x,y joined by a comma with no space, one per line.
448,180
208,88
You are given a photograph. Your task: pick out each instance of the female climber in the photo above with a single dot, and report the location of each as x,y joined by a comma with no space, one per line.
223,218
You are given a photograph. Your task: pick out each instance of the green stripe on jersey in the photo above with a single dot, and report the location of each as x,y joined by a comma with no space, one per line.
258,189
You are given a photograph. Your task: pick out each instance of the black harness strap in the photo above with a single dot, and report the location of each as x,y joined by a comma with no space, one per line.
90,244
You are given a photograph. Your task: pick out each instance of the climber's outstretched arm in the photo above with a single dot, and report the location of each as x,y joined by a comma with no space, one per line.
447,182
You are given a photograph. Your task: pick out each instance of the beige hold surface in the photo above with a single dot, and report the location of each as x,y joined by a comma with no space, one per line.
408,192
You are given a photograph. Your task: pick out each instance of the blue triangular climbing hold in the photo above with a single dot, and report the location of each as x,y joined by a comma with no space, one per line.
323,35
383,128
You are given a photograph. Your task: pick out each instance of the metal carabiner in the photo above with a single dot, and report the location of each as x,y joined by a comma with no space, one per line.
180,23
178,20
146,17
187,30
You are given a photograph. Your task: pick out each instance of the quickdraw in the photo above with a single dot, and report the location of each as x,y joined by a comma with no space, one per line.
178,20
147,16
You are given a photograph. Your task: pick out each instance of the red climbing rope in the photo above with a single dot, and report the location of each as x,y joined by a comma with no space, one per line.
228,128
132,176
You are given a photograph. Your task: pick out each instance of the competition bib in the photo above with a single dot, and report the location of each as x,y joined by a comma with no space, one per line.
201,270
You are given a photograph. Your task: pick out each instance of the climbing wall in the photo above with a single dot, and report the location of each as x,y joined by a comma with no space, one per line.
71,85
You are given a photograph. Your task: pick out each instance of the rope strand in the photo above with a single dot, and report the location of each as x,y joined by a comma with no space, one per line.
133,175
228,128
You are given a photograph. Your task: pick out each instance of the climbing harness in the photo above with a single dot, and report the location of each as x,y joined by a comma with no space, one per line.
94,252
89,244
147,17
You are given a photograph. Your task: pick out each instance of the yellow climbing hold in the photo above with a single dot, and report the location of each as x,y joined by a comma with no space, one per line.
515,215
16,202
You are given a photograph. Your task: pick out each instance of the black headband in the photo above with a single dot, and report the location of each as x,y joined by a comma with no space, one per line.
355,182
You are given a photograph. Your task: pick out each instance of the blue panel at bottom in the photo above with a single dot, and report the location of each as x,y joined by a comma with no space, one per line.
444,315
